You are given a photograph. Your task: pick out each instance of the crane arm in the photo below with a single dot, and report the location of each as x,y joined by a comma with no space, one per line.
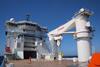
56,34
64,28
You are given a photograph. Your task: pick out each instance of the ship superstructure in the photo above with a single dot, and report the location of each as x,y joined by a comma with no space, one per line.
25,39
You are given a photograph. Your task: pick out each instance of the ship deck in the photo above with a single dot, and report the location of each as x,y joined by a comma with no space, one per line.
44,63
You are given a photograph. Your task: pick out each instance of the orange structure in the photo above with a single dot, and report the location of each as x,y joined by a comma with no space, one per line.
95,60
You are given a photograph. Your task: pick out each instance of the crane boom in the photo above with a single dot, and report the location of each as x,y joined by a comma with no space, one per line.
64,28
83,36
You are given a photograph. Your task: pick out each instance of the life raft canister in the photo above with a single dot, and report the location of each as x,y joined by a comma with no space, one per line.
95,60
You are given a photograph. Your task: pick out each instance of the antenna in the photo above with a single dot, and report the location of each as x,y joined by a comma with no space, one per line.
28,17
12,20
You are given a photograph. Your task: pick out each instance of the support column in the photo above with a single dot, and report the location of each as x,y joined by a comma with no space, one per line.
83,35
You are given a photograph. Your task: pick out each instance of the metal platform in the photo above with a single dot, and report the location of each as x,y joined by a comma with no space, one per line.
44,63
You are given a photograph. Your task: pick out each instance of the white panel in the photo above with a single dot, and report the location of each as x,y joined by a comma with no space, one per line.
83,38
20,55
83,47
59,57
81,28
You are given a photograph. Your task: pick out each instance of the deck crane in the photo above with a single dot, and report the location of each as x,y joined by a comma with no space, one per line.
81,23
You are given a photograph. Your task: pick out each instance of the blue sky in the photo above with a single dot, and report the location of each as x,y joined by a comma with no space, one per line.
50,13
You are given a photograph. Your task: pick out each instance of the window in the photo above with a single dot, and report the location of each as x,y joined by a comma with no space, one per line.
18,45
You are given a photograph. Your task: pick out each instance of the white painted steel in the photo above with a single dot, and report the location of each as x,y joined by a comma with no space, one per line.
59,57
83,38
75,59
20,54
80,21
83,47
63,28
81,29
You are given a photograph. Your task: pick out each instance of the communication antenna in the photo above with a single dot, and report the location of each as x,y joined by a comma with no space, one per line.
28,17
12,20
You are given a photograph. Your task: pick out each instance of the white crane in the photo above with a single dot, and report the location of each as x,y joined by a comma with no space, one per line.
83,30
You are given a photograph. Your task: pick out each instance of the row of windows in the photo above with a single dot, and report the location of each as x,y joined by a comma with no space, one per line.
29,46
